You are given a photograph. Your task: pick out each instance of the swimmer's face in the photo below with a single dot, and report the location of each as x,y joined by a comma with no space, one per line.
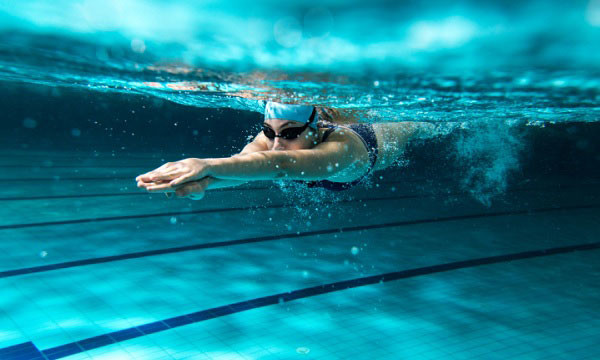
306,140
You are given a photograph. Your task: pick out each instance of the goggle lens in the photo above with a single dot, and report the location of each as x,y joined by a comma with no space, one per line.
288,134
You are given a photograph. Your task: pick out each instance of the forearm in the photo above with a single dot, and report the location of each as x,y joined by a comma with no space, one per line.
271,165
214,183
247,167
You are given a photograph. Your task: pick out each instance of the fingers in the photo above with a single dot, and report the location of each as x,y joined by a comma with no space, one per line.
193,190
166,176
147,177
182,179
144,185
158,176
143,177
175,177
159,187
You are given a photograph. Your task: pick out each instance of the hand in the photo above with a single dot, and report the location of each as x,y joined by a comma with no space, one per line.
173,174
193,190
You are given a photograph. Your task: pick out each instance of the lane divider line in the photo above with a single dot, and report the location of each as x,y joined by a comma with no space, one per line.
114,337
135,255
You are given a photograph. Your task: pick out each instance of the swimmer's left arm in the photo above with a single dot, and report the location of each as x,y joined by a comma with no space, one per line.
326,161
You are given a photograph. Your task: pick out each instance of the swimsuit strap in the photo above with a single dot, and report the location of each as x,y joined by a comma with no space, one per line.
367,135
328,132
369,139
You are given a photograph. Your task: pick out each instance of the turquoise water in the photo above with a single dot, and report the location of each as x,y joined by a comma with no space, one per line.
480,243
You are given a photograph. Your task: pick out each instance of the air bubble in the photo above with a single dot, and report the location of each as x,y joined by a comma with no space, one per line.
29,123
303,350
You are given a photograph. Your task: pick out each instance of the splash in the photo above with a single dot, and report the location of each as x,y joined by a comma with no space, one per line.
488,152
311,203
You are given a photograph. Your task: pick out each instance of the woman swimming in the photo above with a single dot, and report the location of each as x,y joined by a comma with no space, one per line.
293,145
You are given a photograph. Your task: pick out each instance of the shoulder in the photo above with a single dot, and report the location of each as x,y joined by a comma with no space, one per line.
334,132
341,135
259,143
329,132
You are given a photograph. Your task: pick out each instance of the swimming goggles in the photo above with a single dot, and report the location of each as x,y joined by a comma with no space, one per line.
289,133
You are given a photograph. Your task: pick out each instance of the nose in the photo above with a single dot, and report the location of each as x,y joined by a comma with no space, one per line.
278,144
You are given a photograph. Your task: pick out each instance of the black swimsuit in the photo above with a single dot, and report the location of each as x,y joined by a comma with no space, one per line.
367,135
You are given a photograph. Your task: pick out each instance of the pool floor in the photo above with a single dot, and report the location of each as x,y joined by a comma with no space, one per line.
93,268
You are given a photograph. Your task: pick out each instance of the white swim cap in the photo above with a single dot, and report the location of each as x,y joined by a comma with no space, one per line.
300,113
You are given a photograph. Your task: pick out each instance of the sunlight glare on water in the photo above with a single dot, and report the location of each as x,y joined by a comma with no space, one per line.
396,61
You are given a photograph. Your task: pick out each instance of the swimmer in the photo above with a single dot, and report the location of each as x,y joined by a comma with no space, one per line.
298,142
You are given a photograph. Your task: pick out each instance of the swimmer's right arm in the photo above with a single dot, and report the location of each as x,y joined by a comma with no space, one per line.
210,183
195,189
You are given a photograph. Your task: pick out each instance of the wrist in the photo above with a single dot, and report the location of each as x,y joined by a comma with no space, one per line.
212,166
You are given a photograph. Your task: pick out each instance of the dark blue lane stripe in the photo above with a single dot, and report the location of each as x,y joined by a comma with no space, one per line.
99,260
216,312
55,197
139,193
129,217
59,178
132,177
179,213
24,351
159,157
141,216
15,166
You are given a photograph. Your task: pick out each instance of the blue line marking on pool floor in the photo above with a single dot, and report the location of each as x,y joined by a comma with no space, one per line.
24,351
217,210
99,260
19,352
181,213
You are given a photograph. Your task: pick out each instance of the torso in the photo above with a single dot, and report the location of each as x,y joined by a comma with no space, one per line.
346,117
387,151
355,141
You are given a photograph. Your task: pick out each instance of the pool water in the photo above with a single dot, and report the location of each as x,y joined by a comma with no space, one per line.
480,243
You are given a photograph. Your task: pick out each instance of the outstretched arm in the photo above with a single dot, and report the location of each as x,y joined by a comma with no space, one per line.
338,159
327,161
216,183
198,187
